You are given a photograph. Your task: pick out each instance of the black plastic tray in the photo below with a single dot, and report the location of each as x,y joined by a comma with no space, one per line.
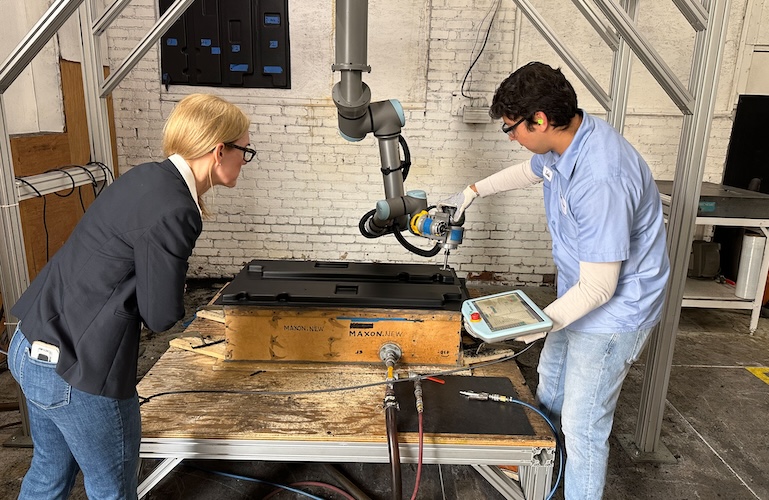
353,284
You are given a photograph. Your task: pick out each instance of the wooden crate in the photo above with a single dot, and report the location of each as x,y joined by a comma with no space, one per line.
341,335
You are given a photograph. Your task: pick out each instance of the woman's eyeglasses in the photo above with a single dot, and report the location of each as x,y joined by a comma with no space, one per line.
248,153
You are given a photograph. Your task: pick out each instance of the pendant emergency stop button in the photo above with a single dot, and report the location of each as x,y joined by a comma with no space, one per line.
475,316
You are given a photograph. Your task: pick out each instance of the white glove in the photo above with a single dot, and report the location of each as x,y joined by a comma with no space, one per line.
461,200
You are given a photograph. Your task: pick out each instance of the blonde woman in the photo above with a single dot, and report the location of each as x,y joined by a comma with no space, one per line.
74,352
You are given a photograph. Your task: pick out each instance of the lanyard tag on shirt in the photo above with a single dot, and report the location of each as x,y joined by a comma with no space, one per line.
548,174
564,206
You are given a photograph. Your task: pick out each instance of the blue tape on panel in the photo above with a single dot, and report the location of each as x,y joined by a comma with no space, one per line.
236,48
273,19
273,69
355,319
216,50
239,67
273,44
172,42
205,42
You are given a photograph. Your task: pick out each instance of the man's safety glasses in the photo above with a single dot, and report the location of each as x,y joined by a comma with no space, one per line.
510,129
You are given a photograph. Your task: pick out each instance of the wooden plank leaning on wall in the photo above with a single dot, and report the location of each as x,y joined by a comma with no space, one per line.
45,233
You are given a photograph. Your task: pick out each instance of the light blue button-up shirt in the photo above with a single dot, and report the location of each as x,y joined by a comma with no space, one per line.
602,205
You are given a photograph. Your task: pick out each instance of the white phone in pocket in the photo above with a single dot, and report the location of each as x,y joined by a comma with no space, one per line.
44,352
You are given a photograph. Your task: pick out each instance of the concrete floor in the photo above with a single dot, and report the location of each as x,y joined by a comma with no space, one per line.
714,426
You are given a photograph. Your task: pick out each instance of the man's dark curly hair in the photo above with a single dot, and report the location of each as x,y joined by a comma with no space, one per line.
535,87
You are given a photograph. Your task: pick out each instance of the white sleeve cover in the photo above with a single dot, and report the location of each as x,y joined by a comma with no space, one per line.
597,284
513,177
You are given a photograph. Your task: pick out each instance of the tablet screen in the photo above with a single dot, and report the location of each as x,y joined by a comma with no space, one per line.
506,311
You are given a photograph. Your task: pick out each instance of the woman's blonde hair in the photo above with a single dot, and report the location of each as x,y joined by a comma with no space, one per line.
199,122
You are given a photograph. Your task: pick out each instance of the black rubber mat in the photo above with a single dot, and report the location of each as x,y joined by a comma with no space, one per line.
447,411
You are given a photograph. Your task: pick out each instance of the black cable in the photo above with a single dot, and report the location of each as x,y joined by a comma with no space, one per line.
72,190
411,248
339,389
485,40
364,231
105,170
397,232
45,225
404,168
208,344
94,185
61,169
45,204
89,174
406,163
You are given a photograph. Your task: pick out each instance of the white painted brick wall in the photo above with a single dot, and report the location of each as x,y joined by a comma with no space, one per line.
305,192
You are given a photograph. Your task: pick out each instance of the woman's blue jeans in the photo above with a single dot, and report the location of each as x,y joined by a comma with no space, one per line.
73,430
580,377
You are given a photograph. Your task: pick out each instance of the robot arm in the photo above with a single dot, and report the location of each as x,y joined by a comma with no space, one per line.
358,116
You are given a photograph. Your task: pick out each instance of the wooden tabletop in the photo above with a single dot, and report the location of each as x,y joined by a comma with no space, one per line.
219,411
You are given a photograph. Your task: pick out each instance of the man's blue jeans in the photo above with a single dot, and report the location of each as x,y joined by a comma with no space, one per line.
73,430
580,377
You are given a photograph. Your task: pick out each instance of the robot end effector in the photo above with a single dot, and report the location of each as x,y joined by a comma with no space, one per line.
440,225
434,223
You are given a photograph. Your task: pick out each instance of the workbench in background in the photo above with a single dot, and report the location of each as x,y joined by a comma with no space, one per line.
337,427
726,206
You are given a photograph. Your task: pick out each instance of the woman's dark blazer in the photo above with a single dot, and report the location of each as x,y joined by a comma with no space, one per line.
125,263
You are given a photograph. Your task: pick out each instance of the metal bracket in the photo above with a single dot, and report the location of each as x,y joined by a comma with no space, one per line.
19,440
660,455
161,471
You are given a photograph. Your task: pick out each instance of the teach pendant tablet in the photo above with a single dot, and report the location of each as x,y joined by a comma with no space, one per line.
503,316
